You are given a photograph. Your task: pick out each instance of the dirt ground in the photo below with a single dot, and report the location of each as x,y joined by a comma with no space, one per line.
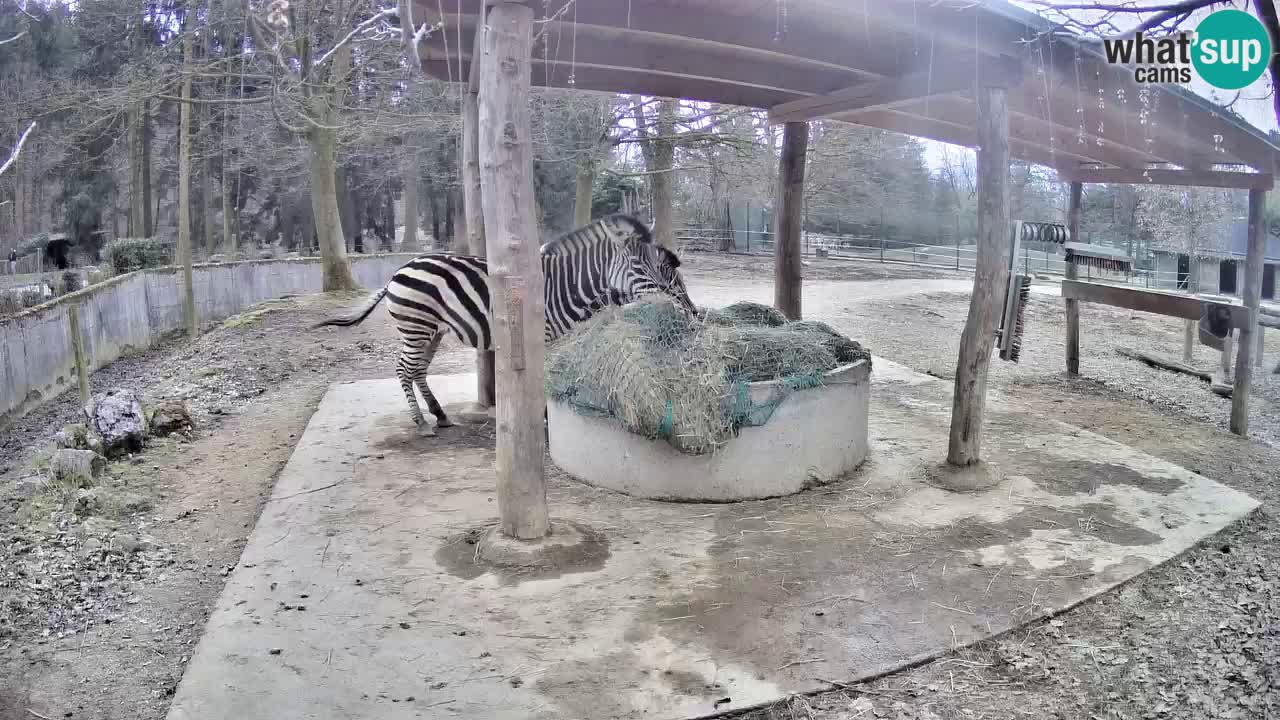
99,612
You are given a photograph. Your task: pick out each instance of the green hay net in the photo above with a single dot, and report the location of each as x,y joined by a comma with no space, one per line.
663,374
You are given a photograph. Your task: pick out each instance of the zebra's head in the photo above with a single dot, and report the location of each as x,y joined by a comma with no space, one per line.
649,267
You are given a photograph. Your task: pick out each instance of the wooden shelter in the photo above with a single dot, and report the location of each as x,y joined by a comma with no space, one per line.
983,74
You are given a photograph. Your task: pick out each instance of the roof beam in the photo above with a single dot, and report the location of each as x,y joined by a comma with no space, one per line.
1164,176
958,133
939,79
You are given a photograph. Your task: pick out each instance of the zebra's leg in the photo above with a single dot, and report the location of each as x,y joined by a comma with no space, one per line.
407,372
433,405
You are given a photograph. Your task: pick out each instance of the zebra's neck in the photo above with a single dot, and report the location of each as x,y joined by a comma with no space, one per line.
576,286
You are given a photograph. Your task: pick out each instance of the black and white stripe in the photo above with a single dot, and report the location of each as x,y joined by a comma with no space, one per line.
610,261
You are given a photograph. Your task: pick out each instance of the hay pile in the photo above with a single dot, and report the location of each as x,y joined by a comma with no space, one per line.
664,374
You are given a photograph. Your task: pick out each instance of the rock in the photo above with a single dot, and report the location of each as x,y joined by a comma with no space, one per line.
168,417
31,485
118,417
132,504
88,503
74,437
77,468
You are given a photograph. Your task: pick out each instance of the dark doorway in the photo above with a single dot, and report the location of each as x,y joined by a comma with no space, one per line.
1269,282
1184,271
1227,277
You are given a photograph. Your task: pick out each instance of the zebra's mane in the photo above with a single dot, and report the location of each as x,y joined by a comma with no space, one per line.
589,235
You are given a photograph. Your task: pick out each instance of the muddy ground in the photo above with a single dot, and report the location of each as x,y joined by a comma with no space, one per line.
100,610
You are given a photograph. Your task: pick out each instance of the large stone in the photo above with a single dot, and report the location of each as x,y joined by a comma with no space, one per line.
168,417
74,437
77,468
118,417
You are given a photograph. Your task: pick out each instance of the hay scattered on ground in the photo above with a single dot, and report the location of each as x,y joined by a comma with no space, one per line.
665,374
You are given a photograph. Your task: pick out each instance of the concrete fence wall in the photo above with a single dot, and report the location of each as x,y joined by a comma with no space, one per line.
130,312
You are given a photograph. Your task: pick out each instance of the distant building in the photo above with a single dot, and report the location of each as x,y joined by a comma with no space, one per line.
1215,271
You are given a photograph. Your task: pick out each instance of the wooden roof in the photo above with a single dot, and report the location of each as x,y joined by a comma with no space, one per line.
901,65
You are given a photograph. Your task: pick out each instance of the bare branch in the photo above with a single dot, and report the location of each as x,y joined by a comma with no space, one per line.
13,157
377,18
14,38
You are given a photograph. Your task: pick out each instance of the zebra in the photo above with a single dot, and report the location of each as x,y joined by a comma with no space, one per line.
610,261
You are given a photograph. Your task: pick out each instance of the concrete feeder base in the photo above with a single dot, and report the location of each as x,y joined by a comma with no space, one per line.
814,436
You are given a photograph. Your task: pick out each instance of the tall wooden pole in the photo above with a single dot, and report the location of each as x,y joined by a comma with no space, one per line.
472,207
989,278
788,273
1073,307
184,193
515,269
1252,297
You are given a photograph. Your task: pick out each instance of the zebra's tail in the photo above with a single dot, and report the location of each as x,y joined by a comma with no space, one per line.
356,316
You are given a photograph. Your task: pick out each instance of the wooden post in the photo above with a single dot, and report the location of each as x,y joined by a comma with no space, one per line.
515,269
472,207
1073,307
77,348
1262,346
1188,340
1252,297
788,273
989,278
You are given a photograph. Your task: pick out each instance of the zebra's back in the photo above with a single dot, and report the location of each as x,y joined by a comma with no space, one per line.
441,289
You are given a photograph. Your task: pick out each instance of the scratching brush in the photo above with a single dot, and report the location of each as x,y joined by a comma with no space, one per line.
1011,324
1099,257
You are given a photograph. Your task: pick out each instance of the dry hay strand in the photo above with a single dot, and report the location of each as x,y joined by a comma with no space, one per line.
662,373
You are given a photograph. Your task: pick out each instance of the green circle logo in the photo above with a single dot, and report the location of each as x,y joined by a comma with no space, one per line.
1232,49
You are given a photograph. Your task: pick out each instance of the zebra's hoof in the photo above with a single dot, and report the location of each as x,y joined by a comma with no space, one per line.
444,423
425,430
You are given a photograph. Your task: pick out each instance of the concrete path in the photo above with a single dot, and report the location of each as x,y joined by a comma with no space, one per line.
360,593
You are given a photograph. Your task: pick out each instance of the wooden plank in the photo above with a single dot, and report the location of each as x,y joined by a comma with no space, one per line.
1166,364
1186,307
515,270
473,210
1251,295
1165,176
965,442
1074,206
788,272
942,78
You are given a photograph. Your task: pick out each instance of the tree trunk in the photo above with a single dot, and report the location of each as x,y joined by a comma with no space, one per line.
976,341
448,217
662,183
148,217
788,272
324,209
137,189
228,205
658,149
585,184
184,194
515,270
409,180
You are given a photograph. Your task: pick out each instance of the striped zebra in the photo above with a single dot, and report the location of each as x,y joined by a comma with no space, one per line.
610,261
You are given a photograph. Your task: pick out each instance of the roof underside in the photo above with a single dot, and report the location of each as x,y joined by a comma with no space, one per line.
899,65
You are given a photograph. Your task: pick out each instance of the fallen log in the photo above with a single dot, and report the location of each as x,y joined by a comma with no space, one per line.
1166,364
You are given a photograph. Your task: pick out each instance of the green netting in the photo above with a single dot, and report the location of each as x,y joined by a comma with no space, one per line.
666,375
